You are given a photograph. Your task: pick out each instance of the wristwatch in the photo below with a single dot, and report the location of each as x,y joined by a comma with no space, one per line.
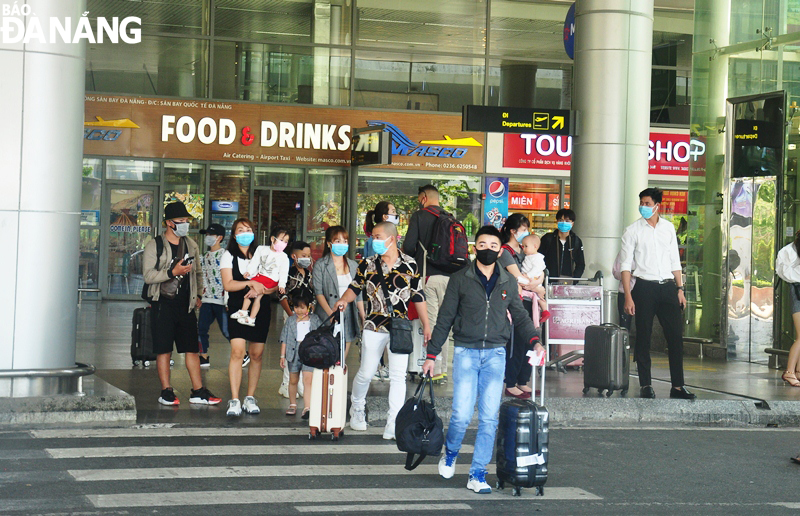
682,288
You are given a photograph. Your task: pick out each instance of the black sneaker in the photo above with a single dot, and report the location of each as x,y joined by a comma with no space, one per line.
168,397
246,360
203,396
205,362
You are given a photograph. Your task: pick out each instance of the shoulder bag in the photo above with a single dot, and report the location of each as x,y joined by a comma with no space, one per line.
418,428
400,339
159,250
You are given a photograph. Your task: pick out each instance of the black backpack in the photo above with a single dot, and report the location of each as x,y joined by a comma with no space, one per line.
418,429
320,349
448,249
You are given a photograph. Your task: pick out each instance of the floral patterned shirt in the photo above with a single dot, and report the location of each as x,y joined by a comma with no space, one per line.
403,282
212,280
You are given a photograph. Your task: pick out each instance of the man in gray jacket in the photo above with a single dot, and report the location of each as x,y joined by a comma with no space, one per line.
173,277
475,306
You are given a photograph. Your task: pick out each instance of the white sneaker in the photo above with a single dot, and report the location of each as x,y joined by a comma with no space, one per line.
234,408
447,464
381,373
247,320
358,420
284,390
239,314
250,405
478,483
388,432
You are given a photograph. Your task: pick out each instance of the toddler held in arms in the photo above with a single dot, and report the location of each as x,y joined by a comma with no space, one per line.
533,274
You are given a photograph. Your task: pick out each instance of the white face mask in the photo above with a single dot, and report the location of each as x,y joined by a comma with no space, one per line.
211,240
394,219
181,229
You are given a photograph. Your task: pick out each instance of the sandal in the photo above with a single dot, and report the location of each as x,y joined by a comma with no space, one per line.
790,378
305,414
292,410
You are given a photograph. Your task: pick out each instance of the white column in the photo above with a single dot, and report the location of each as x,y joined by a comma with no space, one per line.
613,56
41,144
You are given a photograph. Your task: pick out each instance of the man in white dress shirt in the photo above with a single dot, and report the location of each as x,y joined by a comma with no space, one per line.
651,243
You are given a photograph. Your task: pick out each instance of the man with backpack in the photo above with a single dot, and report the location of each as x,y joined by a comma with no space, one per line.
434,230
173,274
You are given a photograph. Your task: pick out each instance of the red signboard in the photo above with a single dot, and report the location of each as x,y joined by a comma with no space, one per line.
669,154
675,202
533,201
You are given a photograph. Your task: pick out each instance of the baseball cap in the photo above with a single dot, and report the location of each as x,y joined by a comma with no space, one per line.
213,229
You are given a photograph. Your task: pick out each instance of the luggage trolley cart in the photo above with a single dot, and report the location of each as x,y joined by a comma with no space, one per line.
574,304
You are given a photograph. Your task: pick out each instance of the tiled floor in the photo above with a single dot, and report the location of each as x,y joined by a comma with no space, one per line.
104,333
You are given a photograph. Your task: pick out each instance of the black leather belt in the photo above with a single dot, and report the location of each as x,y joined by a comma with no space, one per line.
659,282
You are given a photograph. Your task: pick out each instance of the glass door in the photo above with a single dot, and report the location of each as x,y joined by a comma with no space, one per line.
279,208
132,218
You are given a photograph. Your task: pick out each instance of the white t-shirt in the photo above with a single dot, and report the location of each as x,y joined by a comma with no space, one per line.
303,328
269,263
226,262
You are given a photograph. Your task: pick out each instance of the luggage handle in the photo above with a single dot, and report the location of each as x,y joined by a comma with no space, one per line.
420,392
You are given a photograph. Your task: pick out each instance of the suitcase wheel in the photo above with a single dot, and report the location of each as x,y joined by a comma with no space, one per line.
501,485
609,392
312,434
585,390
171,362
136,363
517,491
539,490
146,363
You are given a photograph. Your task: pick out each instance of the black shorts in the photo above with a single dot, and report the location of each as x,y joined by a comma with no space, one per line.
173,324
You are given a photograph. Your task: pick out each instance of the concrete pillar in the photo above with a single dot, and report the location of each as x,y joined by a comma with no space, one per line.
517,84
613,55
41,144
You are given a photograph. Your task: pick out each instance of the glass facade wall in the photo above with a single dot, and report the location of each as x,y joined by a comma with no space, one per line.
434,56
741,49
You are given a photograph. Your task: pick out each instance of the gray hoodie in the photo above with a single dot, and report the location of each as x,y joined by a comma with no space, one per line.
478,322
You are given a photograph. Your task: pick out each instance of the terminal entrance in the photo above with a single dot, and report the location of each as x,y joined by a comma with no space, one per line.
132,218
279,208
753,223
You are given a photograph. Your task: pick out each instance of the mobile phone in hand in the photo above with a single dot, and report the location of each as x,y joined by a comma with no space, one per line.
187,260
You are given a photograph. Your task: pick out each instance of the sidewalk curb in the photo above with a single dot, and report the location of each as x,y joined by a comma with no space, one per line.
617,411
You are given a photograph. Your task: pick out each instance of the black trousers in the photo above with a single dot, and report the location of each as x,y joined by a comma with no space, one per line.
518,370
660,300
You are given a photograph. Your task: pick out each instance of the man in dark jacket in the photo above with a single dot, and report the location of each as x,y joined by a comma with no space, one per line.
475,306
562,249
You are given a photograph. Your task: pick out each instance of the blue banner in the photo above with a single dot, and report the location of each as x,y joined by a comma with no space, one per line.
495,206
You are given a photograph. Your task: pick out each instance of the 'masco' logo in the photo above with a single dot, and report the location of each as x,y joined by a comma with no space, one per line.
402,145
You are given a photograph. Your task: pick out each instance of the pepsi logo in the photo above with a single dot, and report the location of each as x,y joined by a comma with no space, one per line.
497,189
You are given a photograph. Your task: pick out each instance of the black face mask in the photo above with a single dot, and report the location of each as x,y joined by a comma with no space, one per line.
486,256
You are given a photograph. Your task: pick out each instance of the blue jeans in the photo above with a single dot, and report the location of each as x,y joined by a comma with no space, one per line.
209,312
476,371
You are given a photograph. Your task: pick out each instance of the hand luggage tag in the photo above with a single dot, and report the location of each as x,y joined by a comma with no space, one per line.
530,460
536,358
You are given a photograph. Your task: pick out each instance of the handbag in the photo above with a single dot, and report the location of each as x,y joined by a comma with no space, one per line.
400,337
418,429
169,288
320,349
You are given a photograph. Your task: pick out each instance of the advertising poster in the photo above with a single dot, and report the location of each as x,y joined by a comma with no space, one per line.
495,207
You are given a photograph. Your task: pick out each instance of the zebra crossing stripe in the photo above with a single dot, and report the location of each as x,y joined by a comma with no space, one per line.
379,508
326,496
167,431
95,475
241,449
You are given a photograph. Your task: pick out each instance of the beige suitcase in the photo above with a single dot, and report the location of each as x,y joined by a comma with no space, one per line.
328,412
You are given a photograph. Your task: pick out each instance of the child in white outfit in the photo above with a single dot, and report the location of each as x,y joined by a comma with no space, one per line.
533,272
270,267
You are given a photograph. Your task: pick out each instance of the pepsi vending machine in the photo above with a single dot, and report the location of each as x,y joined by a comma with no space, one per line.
224,213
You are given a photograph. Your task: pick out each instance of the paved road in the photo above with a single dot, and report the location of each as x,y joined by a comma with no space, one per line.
222,469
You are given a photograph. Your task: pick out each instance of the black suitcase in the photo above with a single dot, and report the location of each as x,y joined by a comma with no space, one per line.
522,445
606,359
142,337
